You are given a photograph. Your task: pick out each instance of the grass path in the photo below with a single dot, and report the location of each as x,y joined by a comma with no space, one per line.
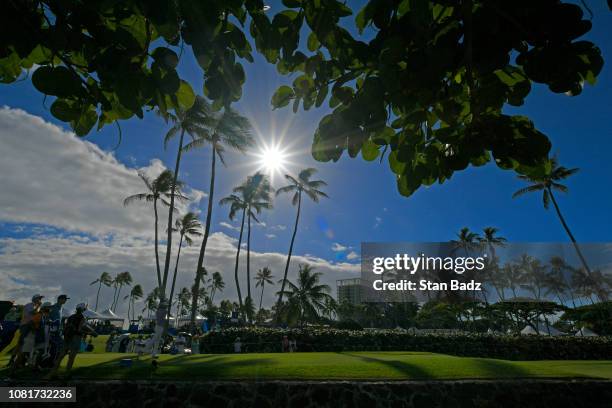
322,366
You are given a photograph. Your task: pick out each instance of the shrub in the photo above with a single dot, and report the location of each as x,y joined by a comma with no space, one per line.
462,344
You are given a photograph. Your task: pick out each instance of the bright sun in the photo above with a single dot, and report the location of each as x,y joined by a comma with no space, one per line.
272,158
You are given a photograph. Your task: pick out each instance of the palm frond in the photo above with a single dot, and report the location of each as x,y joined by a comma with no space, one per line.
137,197
529,189
286,189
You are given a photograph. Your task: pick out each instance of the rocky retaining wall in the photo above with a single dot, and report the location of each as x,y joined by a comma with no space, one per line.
241,394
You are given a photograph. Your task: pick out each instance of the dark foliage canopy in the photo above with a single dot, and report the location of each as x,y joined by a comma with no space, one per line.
424,83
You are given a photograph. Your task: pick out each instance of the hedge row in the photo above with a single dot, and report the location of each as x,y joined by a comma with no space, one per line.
473,345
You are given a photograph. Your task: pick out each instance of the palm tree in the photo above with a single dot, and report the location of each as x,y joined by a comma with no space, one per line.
236,204
222,130
263,276
182,304
226,308
535,274
489,240
466,240
217,284
257,191
249,198
248,309
330,308
135,293
104,279
151,301
306,298
547,182
514,276
158,189
188,227
555,282
193,122
562,273
297,186
122,279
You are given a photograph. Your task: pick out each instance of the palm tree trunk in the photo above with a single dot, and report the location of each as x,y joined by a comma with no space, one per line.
159,282
601,294
98,296
117,299
198,277
178,256
248,263
171,214
237,261
261,297
295,227
114,296
129,307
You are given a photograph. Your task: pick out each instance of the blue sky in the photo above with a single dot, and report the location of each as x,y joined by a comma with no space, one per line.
364,204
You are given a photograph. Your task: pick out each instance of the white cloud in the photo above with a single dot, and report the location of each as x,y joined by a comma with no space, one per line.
278,227
66,195
50,176
270,236
377,222
337,247
228,226
352,255
53,265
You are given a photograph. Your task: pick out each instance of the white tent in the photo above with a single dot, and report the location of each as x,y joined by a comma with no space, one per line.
90,314
584,332
109,315
542,330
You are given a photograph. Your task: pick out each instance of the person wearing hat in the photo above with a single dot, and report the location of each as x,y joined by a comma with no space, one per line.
40,333
56,326
57,310
75,329
30,312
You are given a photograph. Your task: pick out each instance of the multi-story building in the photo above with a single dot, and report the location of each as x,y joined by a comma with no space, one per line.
350,290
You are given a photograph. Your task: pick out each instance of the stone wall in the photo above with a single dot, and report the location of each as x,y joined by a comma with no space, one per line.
465,393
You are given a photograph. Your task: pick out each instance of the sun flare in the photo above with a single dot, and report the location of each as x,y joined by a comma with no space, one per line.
272,159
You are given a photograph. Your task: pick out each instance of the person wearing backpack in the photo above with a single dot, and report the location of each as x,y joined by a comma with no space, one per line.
75,329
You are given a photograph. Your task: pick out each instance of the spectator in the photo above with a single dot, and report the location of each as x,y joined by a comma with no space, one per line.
75,329
237,345
26,338
40,331
285,344
10,326
57,310
56,326
30,310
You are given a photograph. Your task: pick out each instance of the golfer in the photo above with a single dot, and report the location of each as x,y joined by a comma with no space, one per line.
75,329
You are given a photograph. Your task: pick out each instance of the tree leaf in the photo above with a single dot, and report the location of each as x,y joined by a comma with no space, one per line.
282,96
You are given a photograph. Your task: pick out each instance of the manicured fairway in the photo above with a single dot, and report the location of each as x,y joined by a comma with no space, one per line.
319,366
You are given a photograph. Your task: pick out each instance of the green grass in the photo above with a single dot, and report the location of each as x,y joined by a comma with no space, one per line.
322,366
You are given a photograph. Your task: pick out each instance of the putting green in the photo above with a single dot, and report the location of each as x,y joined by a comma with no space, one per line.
322,366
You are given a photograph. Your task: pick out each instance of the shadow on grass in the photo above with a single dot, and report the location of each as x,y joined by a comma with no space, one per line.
409,370
492,368
176,367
